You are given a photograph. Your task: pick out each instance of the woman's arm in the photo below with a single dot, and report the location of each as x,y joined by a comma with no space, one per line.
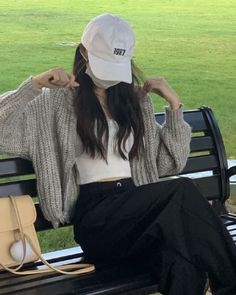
172,139
13,106
13,123
161,87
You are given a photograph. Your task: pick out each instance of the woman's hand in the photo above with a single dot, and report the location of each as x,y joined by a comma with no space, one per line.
161,87
55,78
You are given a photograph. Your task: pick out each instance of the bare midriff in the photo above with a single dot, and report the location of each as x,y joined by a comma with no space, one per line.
110,179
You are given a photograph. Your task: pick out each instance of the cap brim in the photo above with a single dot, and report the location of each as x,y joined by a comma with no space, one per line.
110,71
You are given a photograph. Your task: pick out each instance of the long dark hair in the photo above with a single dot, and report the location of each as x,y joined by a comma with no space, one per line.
123,106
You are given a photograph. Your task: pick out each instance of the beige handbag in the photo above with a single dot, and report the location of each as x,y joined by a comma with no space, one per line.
18,239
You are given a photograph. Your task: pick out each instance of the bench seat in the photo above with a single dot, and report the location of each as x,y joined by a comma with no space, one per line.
109,279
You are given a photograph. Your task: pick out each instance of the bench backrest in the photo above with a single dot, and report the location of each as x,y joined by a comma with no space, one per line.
207,156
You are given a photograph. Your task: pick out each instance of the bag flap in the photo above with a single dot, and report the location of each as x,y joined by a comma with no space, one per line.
26,210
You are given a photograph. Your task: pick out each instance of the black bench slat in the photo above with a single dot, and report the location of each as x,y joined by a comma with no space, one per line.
200,163
16,188
230,223
25,284
193,117
127,281
15,166
201,143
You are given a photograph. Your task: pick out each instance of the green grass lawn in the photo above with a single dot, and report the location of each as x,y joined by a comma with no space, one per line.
191,43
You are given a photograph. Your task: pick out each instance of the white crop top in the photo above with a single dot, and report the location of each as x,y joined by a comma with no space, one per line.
91,170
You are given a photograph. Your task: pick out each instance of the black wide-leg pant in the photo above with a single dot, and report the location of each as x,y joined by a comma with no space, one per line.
169,224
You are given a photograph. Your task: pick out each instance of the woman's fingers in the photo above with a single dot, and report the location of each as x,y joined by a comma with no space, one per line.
60,77
55,78
72,82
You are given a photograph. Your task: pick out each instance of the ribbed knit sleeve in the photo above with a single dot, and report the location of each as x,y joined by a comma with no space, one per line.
174,143
13,120
171,142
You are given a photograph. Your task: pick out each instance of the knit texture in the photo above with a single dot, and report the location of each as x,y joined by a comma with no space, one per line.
40,125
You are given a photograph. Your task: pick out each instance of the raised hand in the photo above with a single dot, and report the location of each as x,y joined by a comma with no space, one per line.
55,78
161,87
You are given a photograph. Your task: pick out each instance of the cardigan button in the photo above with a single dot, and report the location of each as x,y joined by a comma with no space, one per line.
119,184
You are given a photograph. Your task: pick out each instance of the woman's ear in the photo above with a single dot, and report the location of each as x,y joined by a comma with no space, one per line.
83,52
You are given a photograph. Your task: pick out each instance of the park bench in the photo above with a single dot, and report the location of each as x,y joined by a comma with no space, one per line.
207,165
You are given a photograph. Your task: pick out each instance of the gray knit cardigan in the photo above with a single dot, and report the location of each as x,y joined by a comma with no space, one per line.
40,125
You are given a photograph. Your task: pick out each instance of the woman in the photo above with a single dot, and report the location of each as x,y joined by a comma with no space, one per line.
98,155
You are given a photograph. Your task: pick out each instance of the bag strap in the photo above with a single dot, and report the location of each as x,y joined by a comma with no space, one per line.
81,267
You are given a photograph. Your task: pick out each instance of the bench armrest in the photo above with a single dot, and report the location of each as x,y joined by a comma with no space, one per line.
231,171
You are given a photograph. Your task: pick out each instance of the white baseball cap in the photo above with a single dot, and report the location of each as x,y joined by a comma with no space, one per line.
110,42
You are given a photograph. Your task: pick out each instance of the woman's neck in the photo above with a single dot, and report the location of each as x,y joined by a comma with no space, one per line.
101,94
